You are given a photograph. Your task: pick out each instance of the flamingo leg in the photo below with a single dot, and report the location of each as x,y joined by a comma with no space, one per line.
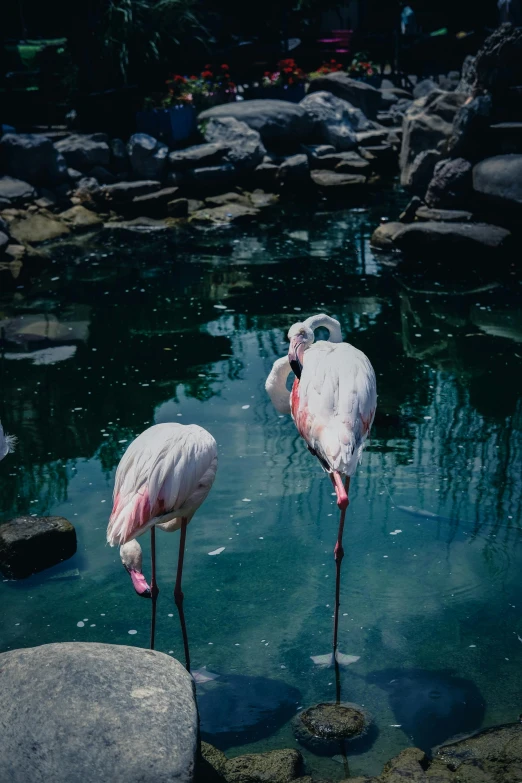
153,585
339,552
178,593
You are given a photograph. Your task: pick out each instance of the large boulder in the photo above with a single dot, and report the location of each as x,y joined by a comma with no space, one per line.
15,192
245,149
359,94
445,239
275,121
32,158
30,544
84,152
450,185
498,64
332,120
500,179
148,157
427,124
470,129
76,711
421,170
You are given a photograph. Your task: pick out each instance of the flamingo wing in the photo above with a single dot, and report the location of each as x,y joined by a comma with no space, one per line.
166,472
334,403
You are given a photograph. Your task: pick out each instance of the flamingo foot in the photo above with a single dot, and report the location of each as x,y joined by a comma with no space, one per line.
327,661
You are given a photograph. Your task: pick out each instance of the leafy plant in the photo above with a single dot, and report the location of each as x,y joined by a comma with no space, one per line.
288,74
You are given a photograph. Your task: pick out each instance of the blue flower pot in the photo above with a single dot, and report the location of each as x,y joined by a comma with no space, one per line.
172,126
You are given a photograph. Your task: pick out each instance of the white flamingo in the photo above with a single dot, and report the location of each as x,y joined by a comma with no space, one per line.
162,479
332,402
7,443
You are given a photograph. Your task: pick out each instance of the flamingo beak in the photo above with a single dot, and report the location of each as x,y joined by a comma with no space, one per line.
295,354
139,582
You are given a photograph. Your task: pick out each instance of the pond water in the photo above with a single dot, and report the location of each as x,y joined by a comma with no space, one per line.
123,331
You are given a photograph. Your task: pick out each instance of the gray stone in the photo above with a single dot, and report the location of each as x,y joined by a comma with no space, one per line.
266,175
294,170
446,215
74,174
468,76
84,152
409,765
178,208
226,198
448,239
228,213
88,185
469,133
500,179
506,137
361,95
451,185
331,118
245,149
32,158
119,158
498,64
410,211
371,137
153,205
148,157
4,241
332,179
15,191
492,756
197,157
79,217
424,88
274,120
342,162
103,175
37,227
274,766
316,151
427,123
76,711
126,191
224,175
421,170
30,544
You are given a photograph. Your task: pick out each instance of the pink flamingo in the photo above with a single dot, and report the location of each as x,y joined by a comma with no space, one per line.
161,481
332,402
7,443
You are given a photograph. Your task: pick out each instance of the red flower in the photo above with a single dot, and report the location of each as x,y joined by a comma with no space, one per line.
267,74
208,67
225,67
207,74
179,79
193,78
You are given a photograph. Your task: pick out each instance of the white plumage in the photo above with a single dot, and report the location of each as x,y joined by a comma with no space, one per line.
7,443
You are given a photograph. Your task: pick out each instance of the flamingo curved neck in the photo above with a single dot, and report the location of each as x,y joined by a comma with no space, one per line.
333,326
276,385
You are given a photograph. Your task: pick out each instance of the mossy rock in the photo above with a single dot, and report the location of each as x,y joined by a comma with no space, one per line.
322,727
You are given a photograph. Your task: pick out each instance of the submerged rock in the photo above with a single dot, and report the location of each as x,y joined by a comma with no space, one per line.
333,179
322,727
75,711
227,213
31,544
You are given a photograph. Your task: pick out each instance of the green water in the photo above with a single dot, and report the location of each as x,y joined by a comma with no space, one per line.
120,332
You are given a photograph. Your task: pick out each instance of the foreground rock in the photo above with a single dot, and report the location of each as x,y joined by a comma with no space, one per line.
500,179
276,766
32,158
322,727
451,184
361,95
15,192
84,152
273,120
242,143
444,238
31,544
148,157
74,712
35,227
331,117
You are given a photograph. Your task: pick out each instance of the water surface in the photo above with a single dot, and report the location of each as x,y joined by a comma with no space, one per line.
123,331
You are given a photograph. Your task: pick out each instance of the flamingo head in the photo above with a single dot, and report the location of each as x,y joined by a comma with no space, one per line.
301,337
131,557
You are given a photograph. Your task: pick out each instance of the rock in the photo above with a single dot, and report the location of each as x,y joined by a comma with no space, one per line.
4,225
80,217
87,693
32,158
447,239
224,175
226,198
332,179
139,225
194,205
4,241
389,97
148,157
498,64
492,756
153,205
322,727
506,137
451,185
294,170
228,213
244,145
331,118
410,211
449,81
260,199
446,215
421,170
408,765
178,208
276,766
102,175
30,544
424,88
274,120
266,175
499,179
210,765
343,163
427,122
88,185
469,133
126,191
38,227
15,191
83,152
74,174
199,156
468,76
119,158
359,94
372,137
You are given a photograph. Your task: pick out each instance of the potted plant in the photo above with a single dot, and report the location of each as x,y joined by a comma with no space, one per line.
363,69
287,83
172,117
332,66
